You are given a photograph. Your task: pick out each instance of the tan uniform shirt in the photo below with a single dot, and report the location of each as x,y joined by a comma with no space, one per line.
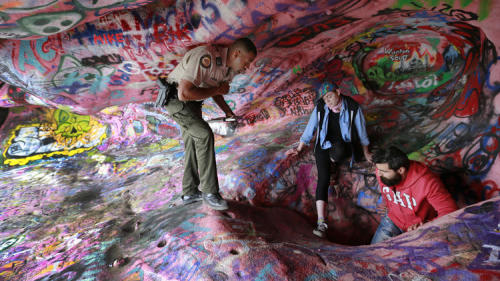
204,66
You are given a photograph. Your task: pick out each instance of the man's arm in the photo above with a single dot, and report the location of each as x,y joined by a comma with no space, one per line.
222,104
187,91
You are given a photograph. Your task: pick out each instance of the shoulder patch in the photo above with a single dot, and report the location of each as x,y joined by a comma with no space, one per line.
206,61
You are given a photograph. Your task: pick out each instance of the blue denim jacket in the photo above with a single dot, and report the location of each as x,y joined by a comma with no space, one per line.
345,126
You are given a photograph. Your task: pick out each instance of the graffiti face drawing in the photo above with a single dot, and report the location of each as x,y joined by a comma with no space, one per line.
50,23
71,125
74,78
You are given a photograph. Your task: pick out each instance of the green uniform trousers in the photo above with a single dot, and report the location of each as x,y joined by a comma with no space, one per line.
199,151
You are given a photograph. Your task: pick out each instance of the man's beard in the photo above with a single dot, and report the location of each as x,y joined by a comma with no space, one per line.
391,182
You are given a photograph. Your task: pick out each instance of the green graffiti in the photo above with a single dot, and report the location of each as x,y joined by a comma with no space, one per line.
433,41
382,72
418,81
297,69
483,12
4,16
47,24
70,125
96,4
9,242
484,9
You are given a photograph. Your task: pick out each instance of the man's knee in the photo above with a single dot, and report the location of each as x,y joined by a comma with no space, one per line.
203,134
386,229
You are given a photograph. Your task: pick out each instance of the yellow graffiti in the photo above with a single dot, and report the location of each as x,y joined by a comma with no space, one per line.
58,266
136,276
9,5
169,144
9,269
66,135
51,248
71,125
124,167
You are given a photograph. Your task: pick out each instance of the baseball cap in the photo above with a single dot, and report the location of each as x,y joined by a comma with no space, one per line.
325,88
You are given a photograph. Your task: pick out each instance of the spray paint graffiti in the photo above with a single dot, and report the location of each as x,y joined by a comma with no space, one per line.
106,59
39,54
25,19
50,23
298,102
308,32
420,75
74,78
483,8
68,135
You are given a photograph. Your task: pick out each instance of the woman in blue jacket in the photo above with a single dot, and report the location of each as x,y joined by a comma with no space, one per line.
333,119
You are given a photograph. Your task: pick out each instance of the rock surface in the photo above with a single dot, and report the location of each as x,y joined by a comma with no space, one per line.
91,171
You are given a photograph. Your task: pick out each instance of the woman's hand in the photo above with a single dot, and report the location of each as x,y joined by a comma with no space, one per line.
367,153
296,150
368,156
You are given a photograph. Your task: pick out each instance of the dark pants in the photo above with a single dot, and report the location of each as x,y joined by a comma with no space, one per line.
338,152
199,152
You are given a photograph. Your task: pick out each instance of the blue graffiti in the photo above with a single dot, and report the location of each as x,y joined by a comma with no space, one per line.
26,55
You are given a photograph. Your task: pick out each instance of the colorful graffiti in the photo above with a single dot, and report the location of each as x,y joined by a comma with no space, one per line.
25,20
68,134
82,134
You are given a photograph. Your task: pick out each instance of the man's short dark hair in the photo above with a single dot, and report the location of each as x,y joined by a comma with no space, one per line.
246,45
392,156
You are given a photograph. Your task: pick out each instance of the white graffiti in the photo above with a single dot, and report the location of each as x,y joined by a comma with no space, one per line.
415,83
494,253
33,140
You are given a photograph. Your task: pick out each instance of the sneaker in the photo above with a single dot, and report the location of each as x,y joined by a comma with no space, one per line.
215,201
188,199
321,230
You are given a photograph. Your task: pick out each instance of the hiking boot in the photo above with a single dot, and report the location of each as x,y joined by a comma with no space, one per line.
321,230
215,201
191,198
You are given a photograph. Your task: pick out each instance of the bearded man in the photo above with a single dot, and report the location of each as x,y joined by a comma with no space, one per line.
413,194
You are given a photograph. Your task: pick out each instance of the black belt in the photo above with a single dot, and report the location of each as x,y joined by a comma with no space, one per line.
167,92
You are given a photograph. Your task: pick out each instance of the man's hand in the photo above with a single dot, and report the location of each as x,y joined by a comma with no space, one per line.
415,226
223,88
231,117
222,104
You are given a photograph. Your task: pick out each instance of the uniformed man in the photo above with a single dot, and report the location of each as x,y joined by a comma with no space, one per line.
204,72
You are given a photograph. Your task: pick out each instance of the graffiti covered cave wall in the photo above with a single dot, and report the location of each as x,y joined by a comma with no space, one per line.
80,77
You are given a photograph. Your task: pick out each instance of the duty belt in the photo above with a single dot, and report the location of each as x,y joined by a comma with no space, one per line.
167,92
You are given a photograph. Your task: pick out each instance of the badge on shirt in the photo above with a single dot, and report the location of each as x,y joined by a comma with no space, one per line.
206,61
218,61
